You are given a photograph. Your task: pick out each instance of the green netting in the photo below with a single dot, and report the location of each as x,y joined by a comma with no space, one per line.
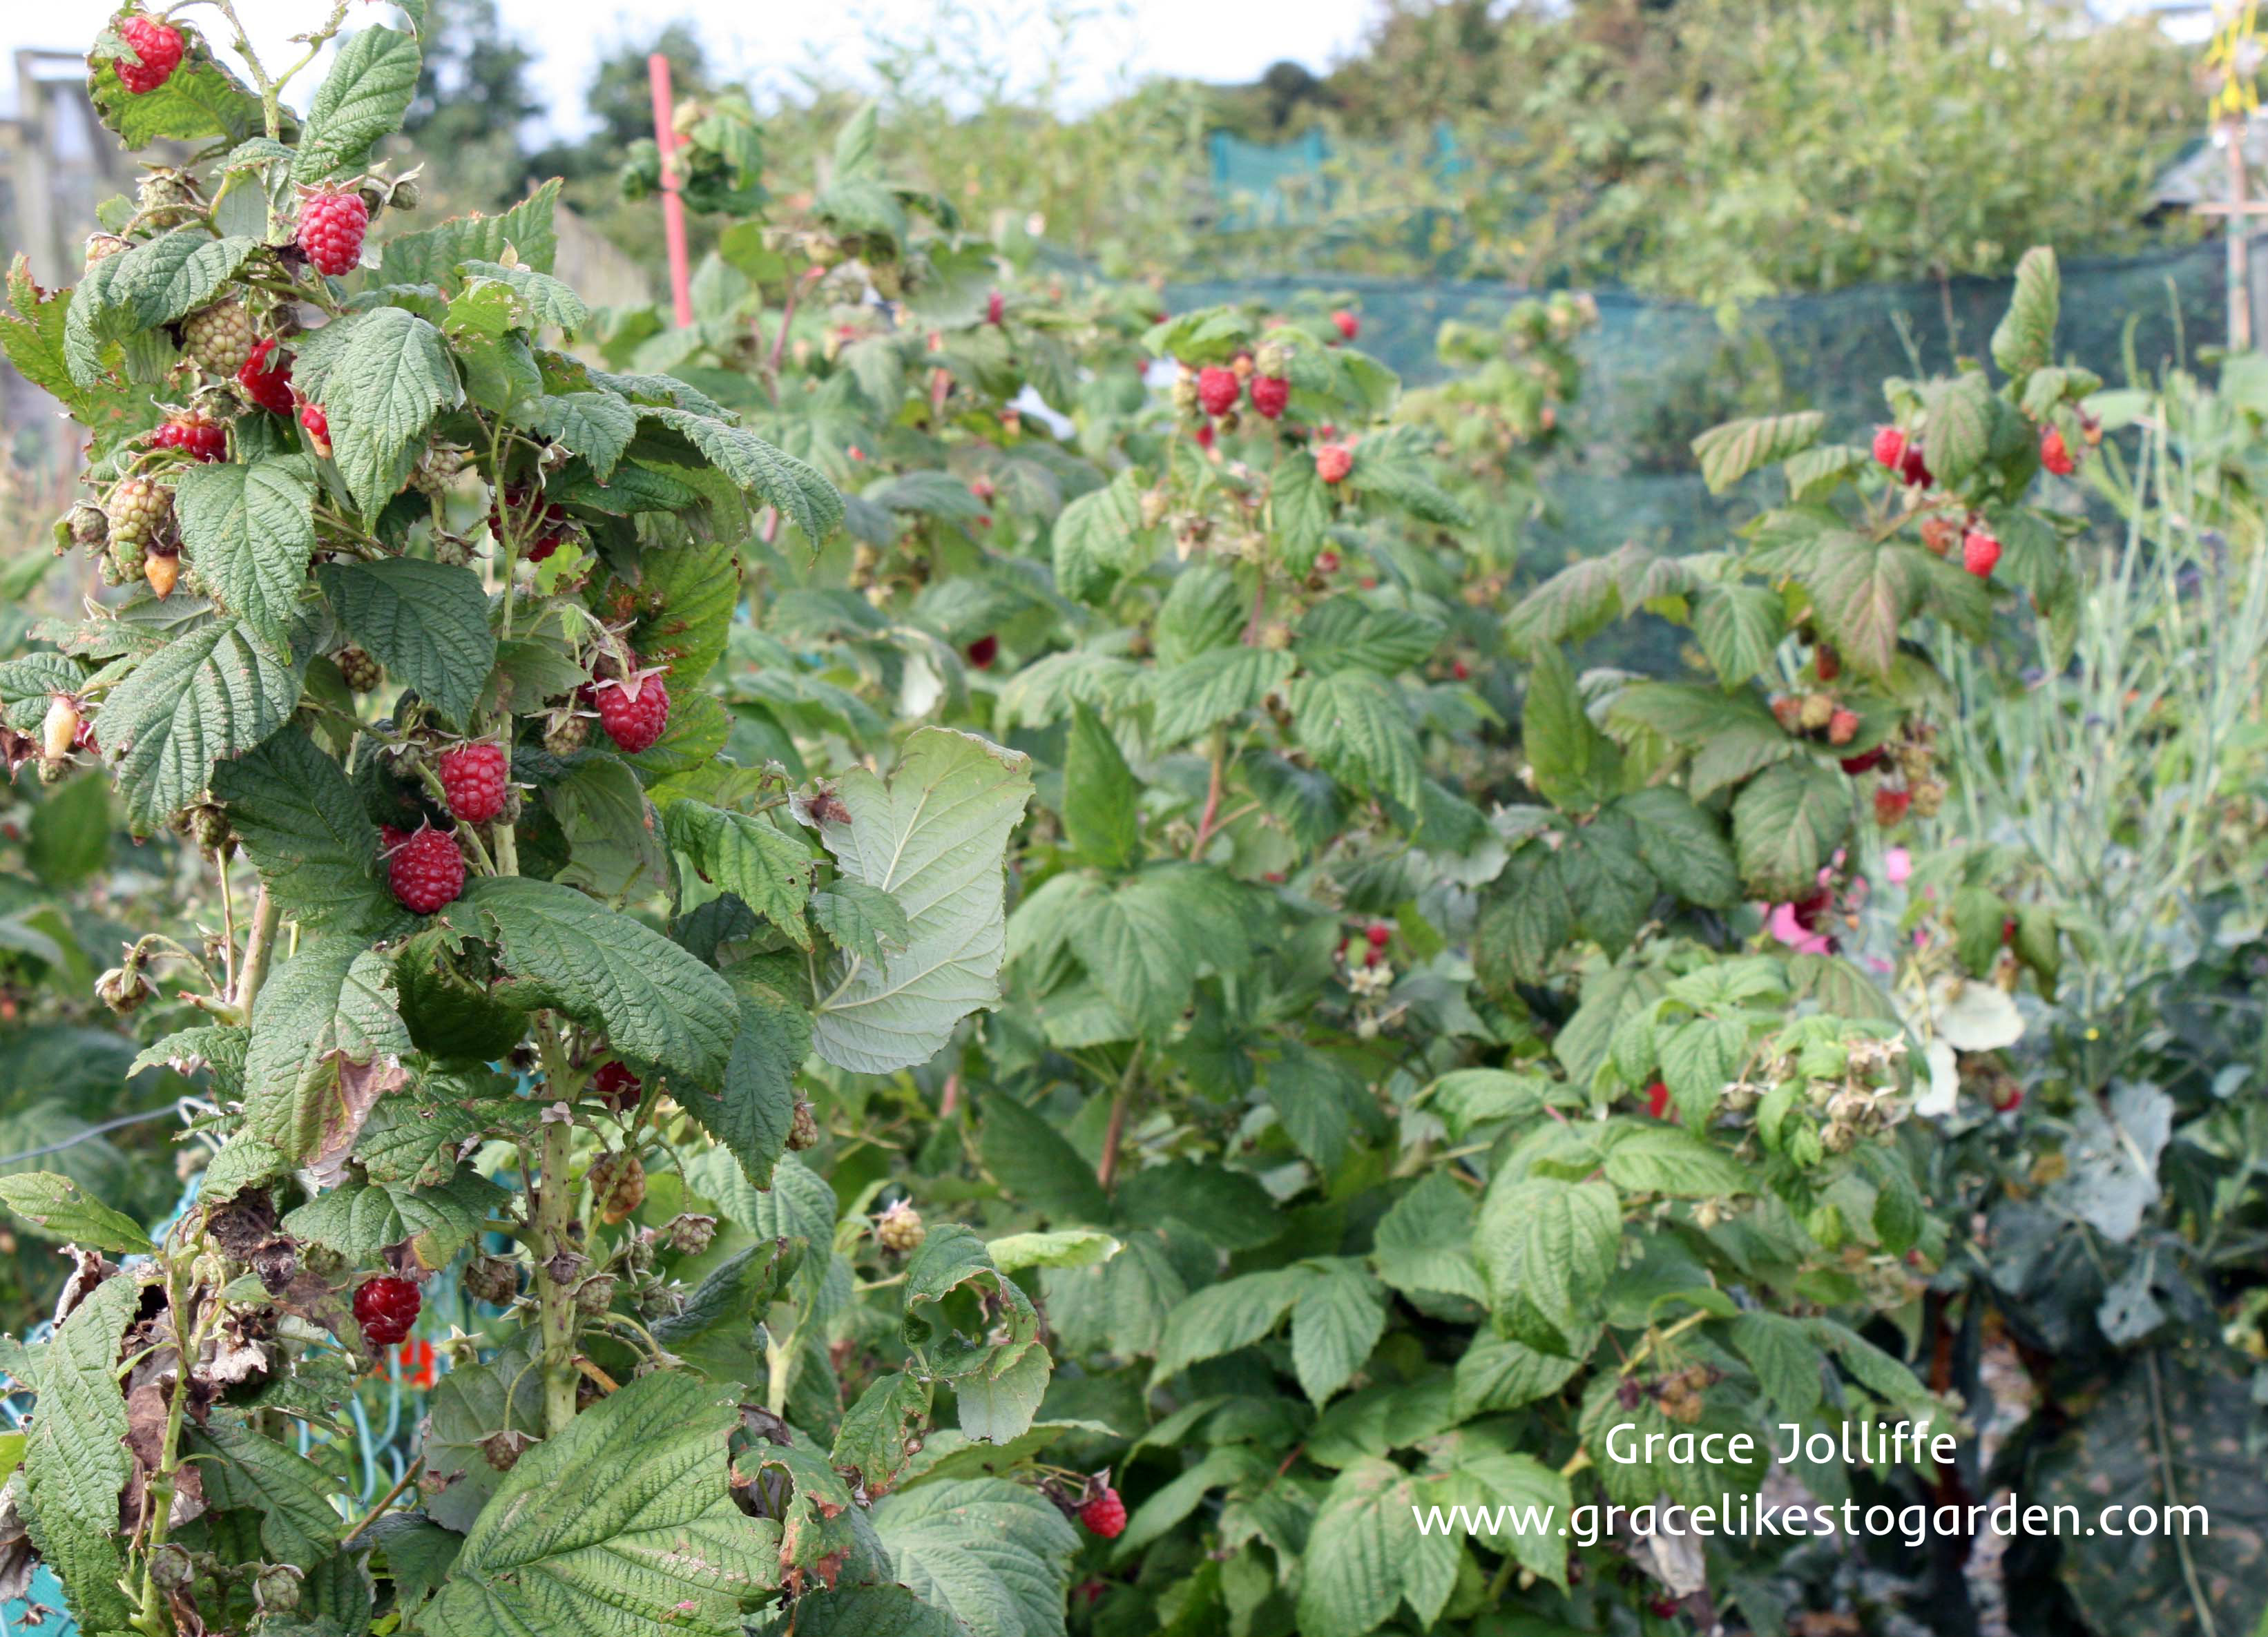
1658,373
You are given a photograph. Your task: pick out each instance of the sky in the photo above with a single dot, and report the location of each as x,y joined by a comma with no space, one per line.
1200,38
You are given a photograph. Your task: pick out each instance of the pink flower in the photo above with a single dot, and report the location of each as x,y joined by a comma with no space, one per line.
1898,864
1783,925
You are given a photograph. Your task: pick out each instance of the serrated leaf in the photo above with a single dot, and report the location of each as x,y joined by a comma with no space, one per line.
427,623
1358,728
248,528
596,425
863,919
1424,1241
432,256
752,1108
1738,626
1861,591
139,289
290,1493
560,949
307,831
995,1555
770,475
2025,338
933,836
1336,1322
750,857
1101,802
76,1461
324,1014
383,388
1099,538
27,682
1684,847
1958,434
548,300
57,1208
870,1444
1150,937
1498,1373
1225,1316
1345,633
658,1546
1670,1160
1787,823
213,693
1365,1553
1730,452
1575,765
1549,1242
361,100
1191,698
359,1220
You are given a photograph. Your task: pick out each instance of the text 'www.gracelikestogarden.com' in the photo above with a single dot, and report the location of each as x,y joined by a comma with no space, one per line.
1755,1517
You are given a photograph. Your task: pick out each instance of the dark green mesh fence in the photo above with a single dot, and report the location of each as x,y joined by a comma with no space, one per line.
1657,373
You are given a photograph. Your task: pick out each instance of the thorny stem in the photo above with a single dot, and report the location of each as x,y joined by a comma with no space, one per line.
555,1210
1219,755
151,1619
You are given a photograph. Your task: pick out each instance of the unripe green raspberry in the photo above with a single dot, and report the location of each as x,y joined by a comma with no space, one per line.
164,187
136,510
452,550
596,1294
102,246
276,1588
900,1230
567,732
362,672
89,527
218,339
617,1185
491,1279
691,1233
1272,358
802,1128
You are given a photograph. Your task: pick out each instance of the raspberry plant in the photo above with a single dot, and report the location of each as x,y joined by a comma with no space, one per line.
508,1003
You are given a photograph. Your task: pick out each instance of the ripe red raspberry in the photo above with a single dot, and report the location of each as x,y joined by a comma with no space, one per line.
1843,727
1809,912
1460,670
2007,1097
2055,454
1889,447
633,721
269,388
473,778
1657,1099
1349,326
1204,436
159,47
983,651
1105,1514
1333,462
1379,934
614,1082
1865,761
386,1308
332,222
1327,562
1979,551
1218,390
1891,805
426,871
995,308
540,531
1269,394
1827,662
195,435
317,425
1913,471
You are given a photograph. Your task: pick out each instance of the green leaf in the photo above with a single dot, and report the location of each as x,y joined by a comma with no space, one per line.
1730,452
950,1335
687,597
1034,1164
1424,1241
1151,935
1101,802
1358,728
870,1444
548,300
863,919
1337,1319
325,1042
1669,1160
26,683
859,1611
1365,1553
1786,824
360,1220
139,289
214,693
933,836
1958,434
659,1546
596,425
199,99
1099,538
434,255
290,1493
1345,633
56,1208
1191,698
384,387
76,1461
71,833
1861,591
1684,847
1785,1359
1203,611
249,528
2025,338
749,856
1070,1247
560,949
1526,922
614,847
306,830
771,475
1740,625
1549,1241
995,1555
362,98
1224,1316
715,1331
752,1108
1299,506
1498,1373
1575,765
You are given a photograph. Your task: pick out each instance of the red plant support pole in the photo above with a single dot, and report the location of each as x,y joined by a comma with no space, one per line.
672,206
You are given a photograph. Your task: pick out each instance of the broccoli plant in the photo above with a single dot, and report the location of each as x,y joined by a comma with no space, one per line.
409,616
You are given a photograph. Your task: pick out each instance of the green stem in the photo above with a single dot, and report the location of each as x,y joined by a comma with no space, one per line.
257,947
555,1211
151,1618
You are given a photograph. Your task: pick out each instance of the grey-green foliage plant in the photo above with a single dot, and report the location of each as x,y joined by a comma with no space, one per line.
517,998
